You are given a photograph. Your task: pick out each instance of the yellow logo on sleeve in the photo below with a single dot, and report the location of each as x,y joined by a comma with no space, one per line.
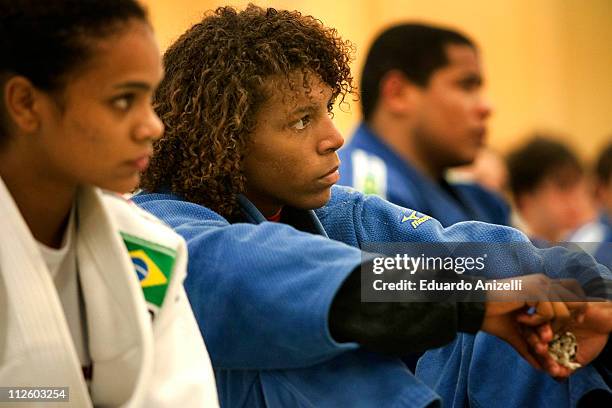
416,220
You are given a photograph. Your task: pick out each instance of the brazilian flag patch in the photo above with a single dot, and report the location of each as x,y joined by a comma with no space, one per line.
153,264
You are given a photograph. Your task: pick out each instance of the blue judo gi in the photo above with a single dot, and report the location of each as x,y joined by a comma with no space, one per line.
372,167
603,253
262,293
597,237
479,370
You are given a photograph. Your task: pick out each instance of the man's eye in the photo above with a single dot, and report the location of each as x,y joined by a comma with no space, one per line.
470,84
302,123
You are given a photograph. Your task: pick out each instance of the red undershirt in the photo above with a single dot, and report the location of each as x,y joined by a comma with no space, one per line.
276,217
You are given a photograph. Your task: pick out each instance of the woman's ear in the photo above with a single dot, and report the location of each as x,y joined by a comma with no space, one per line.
21,104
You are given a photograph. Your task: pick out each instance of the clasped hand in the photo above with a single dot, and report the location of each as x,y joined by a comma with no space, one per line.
546,307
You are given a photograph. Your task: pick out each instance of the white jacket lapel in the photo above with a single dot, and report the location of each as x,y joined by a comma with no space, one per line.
120,334
34,326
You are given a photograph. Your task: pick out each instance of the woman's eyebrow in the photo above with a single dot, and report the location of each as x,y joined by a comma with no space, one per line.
140,85
304,109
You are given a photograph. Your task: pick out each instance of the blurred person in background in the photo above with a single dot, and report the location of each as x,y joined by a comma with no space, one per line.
423,112
549,189
603,172
597,235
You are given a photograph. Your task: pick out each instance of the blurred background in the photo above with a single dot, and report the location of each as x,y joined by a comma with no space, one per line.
548,63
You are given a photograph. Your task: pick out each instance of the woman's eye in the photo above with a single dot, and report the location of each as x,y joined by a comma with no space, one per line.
302,123
123,102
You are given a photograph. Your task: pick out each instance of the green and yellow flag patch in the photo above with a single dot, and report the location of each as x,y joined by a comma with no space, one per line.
153,264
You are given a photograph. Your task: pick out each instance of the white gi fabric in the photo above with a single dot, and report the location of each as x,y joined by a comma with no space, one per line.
137,362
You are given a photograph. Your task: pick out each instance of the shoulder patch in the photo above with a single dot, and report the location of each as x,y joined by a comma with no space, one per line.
369,173
415,218
153,265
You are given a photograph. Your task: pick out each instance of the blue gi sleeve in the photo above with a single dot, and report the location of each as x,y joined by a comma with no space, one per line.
356,219
262,308
352,217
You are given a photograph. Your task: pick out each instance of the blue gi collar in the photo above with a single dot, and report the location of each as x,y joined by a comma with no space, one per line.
254,216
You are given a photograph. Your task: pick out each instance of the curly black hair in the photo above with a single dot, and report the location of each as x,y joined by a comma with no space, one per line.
217,77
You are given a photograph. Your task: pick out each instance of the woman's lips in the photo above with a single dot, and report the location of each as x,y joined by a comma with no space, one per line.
141,163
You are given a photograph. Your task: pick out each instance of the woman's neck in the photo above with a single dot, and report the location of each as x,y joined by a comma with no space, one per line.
44,203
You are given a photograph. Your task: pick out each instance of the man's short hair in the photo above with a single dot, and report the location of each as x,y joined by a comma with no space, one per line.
540,159
417,50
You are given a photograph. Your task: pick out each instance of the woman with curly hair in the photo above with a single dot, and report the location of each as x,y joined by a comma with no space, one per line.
246,101
238,60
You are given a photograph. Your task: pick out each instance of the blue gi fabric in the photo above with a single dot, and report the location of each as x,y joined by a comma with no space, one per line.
474,369
355,219
263,310
603,253
597,236
407,187
261,295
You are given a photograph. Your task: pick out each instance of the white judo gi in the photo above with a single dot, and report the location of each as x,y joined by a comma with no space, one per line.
144,344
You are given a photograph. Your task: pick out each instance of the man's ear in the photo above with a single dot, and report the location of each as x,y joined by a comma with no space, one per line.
21,101
398,94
